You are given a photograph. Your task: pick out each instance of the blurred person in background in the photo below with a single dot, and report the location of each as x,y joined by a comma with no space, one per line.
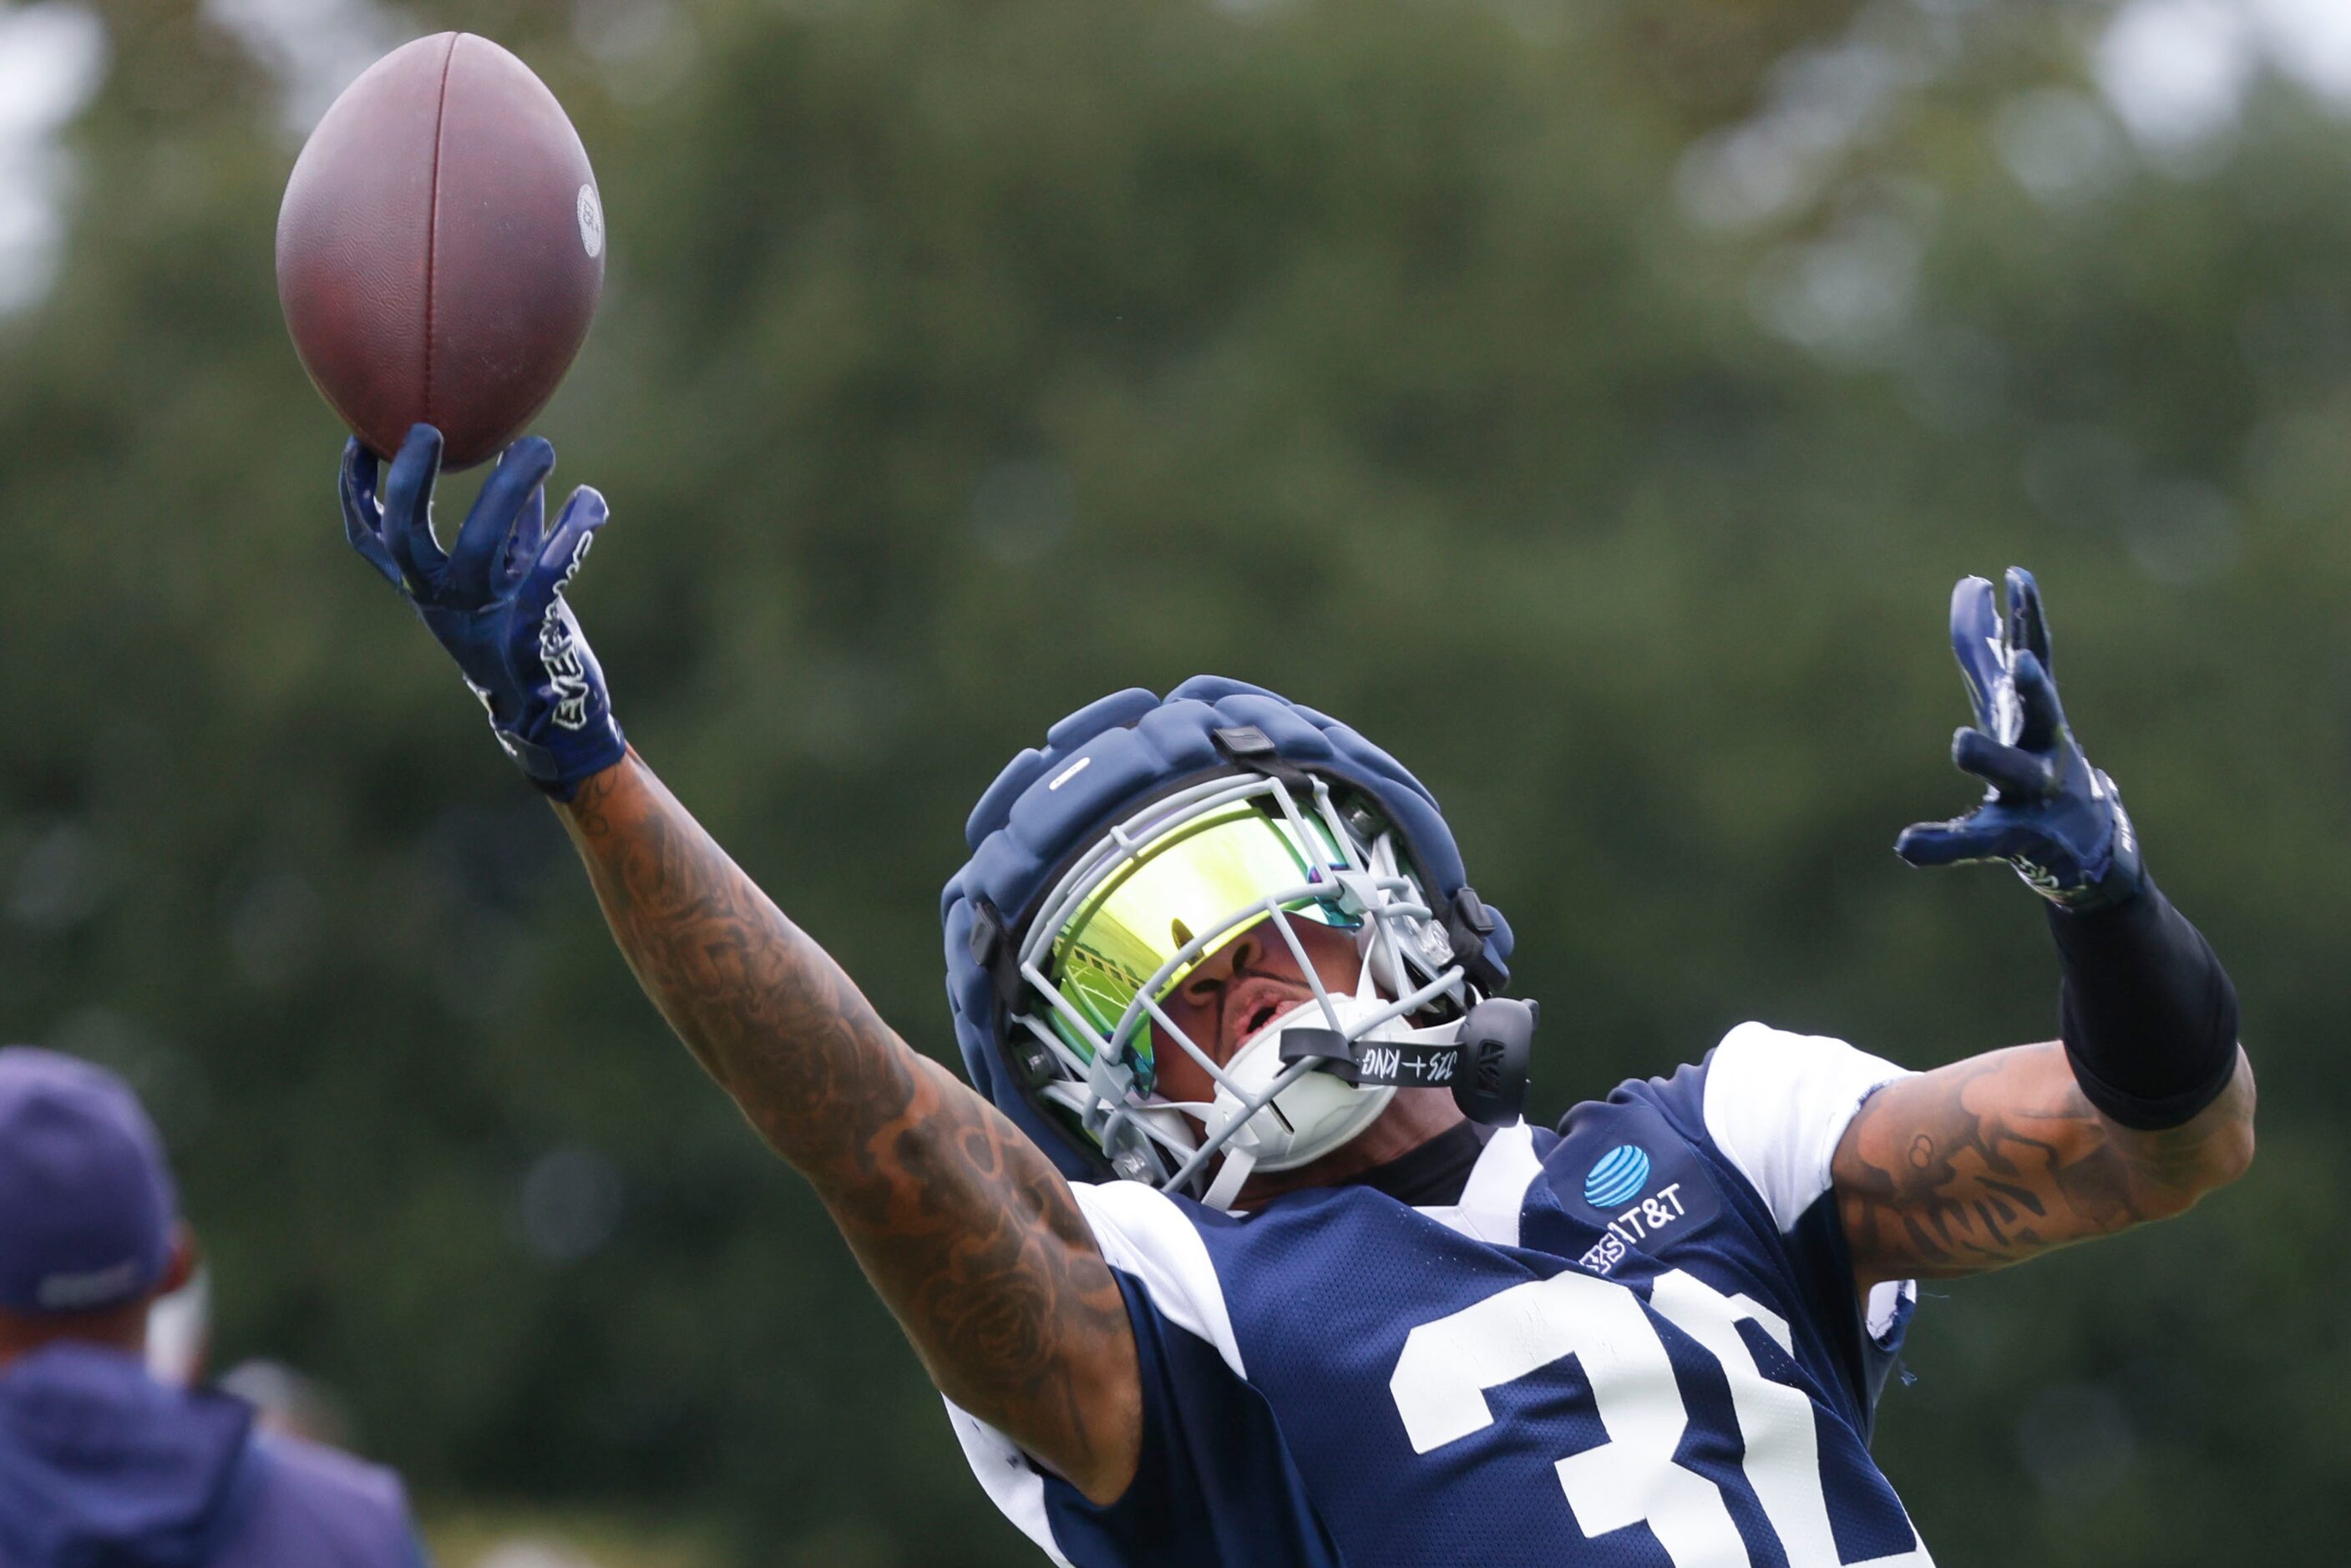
1208,1270
103,1462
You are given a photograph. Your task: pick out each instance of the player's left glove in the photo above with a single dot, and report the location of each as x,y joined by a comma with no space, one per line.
2051,814
494,599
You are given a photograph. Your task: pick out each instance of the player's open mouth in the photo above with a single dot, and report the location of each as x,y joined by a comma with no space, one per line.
1257,1005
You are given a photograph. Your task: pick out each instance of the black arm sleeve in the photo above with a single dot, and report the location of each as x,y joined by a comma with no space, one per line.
2148,1014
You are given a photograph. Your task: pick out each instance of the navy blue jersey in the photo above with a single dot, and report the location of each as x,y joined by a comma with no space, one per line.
1633,1343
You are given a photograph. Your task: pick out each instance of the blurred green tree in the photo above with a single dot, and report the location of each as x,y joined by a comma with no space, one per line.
1592,403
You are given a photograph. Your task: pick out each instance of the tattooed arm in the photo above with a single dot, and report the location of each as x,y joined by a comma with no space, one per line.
965,1229
1992,1161
1999,1157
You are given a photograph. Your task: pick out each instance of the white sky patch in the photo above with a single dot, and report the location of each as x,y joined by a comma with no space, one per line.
313,47
52,58
2310,41
2176,70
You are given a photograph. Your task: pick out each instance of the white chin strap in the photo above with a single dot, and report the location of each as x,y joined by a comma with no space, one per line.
1315,1114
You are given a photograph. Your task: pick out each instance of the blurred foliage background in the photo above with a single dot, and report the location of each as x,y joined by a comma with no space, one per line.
1594,401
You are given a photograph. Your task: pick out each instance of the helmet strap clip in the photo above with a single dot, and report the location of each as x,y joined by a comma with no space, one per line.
1467,924
1247,746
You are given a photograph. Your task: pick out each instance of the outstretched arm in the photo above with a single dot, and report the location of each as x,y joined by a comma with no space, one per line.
2145,1104
1999,1157
967,1231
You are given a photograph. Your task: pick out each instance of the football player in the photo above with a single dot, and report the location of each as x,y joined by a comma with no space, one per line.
1236,1250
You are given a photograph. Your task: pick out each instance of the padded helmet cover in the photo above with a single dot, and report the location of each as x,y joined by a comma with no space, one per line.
1095,767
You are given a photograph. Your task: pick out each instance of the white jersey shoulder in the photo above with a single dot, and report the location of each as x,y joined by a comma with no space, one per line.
1778,1103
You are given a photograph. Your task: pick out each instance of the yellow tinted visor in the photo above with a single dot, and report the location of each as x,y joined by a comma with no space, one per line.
1189,880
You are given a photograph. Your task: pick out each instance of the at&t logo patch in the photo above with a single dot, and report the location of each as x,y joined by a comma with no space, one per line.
1621,1175
1642,1196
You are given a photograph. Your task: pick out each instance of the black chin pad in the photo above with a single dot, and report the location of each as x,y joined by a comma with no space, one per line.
1497,1054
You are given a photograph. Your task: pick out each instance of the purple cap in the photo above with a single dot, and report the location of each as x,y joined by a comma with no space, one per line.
86,1199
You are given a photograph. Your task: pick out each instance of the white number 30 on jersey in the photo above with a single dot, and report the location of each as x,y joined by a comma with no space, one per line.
1441,1379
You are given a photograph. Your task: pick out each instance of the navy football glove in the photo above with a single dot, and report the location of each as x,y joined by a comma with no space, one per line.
494,600
2049,812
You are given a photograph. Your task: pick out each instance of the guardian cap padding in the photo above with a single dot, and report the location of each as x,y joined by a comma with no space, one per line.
1050,806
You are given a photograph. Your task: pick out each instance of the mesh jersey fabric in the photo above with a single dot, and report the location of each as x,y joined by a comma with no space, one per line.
1633,1343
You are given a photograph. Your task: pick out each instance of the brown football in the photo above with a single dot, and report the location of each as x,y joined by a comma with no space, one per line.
441,248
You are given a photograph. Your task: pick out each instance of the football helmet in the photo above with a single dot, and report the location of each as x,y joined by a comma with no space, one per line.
1147,836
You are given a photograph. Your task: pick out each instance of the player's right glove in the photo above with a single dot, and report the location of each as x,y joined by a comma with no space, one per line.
2049,813
494,599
